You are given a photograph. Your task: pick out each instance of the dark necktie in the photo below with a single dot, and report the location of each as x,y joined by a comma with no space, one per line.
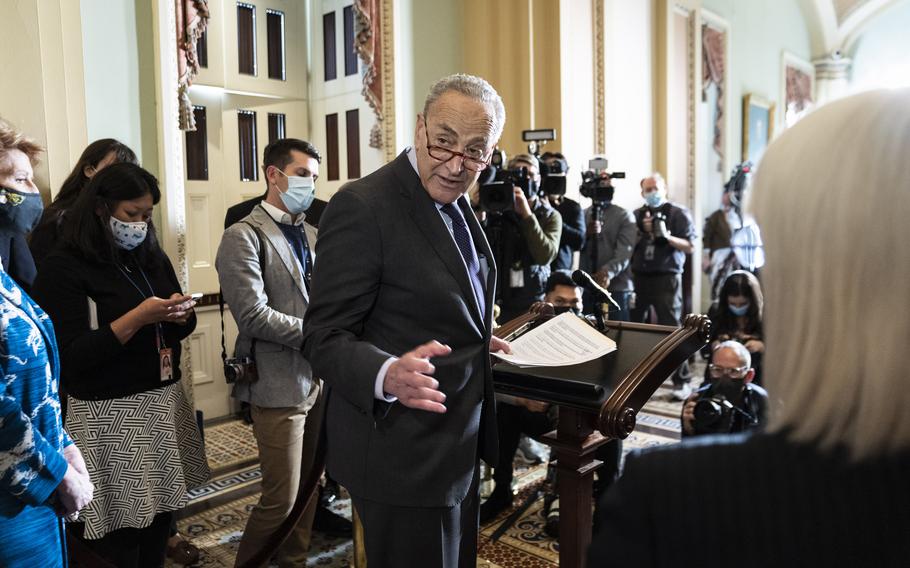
463,240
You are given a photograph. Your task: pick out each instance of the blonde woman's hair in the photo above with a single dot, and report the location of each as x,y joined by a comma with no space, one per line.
832,196
12,139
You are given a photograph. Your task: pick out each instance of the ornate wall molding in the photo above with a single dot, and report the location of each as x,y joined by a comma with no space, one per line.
170,157
390,147
692,81
599,87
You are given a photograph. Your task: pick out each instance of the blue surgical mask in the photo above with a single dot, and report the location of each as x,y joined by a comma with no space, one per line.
654,199
128,235
739,310
300,194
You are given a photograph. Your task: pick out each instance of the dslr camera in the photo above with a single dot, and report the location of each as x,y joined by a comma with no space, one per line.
240,370
596,182
716,408
659,227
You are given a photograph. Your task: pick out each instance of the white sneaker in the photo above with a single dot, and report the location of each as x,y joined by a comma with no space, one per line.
682,391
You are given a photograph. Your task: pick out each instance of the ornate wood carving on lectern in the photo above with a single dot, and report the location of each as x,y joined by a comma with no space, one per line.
597,401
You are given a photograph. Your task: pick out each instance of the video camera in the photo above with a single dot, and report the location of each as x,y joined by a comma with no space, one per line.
497,196
596,182
553,177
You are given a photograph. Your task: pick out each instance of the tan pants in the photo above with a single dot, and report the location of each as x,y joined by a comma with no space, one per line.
286,438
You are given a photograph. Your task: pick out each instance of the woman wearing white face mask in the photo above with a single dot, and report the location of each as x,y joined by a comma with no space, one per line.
120,315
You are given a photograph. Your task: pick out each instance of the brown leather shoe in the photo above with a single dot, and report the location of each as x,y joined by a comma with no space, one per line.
183,553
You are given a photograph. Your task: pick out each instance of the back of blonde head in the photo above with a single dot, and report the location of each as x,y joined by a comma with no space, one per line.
832,196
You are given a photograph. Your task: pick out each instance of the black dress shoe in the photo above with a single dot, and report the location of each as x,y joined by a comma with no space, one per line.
498,502
551,527
331,524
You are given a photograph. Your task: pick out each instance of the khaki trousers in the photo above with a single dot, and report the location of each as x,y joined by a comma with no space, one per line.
287,439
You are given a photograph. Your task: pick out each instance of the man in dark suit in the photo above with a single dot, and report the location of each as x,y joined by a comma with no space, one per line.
405,275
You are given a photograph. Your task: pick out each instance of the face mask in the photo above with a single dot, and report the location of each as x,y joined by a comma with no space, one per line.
731,389
654,199
19,212
739,310
128,235
558,310
300,194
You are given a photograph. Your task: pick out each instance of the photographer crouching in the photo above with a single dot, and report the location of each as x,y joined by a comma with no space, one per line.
523,231
728,402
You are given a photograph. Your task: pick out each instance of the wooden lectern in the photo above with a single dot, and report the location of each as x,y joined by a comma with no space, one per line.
597,401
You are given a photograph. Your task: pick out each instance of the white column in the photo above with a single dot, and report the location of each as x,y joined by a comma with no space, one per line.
831,77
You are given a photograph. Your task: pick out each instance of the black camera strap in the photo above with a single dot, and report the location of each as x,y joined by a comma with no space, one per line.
221,297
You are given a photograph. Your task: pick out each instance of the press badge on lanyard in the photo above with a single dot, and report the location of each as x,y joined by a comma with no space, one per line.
165,356
165,353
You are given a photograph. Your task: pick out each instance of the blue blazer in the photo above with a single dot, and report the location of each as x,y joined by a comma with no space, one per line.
31,432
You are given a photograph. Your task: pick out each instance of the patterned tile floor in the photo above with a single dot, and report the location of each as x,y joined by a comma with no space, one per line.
217,531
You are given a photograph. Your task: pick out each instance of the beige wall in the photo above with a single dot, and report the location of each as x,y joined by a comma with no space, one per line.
42,92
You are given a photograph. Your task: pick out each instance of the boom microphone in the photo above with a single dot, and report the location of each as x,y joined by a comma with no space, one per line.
583,279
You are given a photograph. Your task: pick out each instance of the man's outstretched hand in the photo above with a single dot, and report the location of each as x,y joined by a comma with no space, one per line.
410,378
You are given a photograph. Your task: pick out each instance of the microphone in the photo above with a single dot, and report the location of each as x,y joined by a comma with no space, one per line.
583,279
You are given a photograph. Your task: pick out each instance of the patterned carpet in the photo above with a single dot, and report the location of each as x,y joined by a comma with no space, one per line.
217,531
229,445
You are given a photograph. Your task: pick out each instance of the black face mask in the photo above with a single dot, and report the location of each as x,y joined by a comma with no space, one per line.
558,310
19,212
731,389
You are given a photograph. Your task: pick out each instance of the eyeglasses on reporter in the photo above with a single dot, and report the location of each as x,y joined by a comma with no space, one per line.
717,371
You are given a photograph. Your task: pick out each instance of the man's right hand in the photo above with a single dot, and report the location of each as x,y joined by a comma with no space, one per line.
409,378
75,491
594,228
688,415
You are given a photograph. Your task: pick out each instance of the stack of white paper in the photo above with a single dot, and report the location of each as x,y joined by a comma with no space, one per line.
563,340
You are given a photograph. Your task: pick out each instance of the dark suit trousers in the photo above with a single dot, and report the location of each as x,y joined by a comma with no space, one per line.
664,292
513,421
431,537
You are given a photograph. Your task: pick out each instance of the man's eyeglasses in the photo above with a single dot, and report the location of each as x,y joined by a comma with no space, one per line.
734,373
473,159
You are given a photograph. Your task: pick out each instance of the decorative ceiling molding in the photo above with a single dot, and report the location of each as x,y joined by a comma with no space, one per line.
835,25
843,9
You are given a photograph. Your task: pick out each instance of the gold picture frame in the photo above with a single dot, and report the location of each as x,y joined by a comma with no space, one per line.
758,126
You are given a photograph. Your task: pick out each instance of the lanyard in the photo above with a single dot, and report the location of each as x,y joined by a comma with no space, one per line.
159,334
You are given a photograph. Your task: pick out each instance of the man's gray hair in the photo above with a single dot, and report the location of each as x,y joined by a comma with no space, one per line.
661,182
744,356
526,158
474,87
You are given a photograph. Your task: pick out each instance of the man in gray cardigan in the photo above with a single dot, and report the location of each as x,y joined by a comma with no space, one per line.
264,265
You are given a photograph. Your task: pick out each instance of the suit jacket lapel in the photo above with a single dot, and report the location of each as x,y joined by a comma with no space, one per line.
276,238
427,218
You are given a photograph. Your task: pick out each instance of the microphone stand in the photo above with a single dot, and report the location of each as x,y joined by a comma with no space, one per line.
599,312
